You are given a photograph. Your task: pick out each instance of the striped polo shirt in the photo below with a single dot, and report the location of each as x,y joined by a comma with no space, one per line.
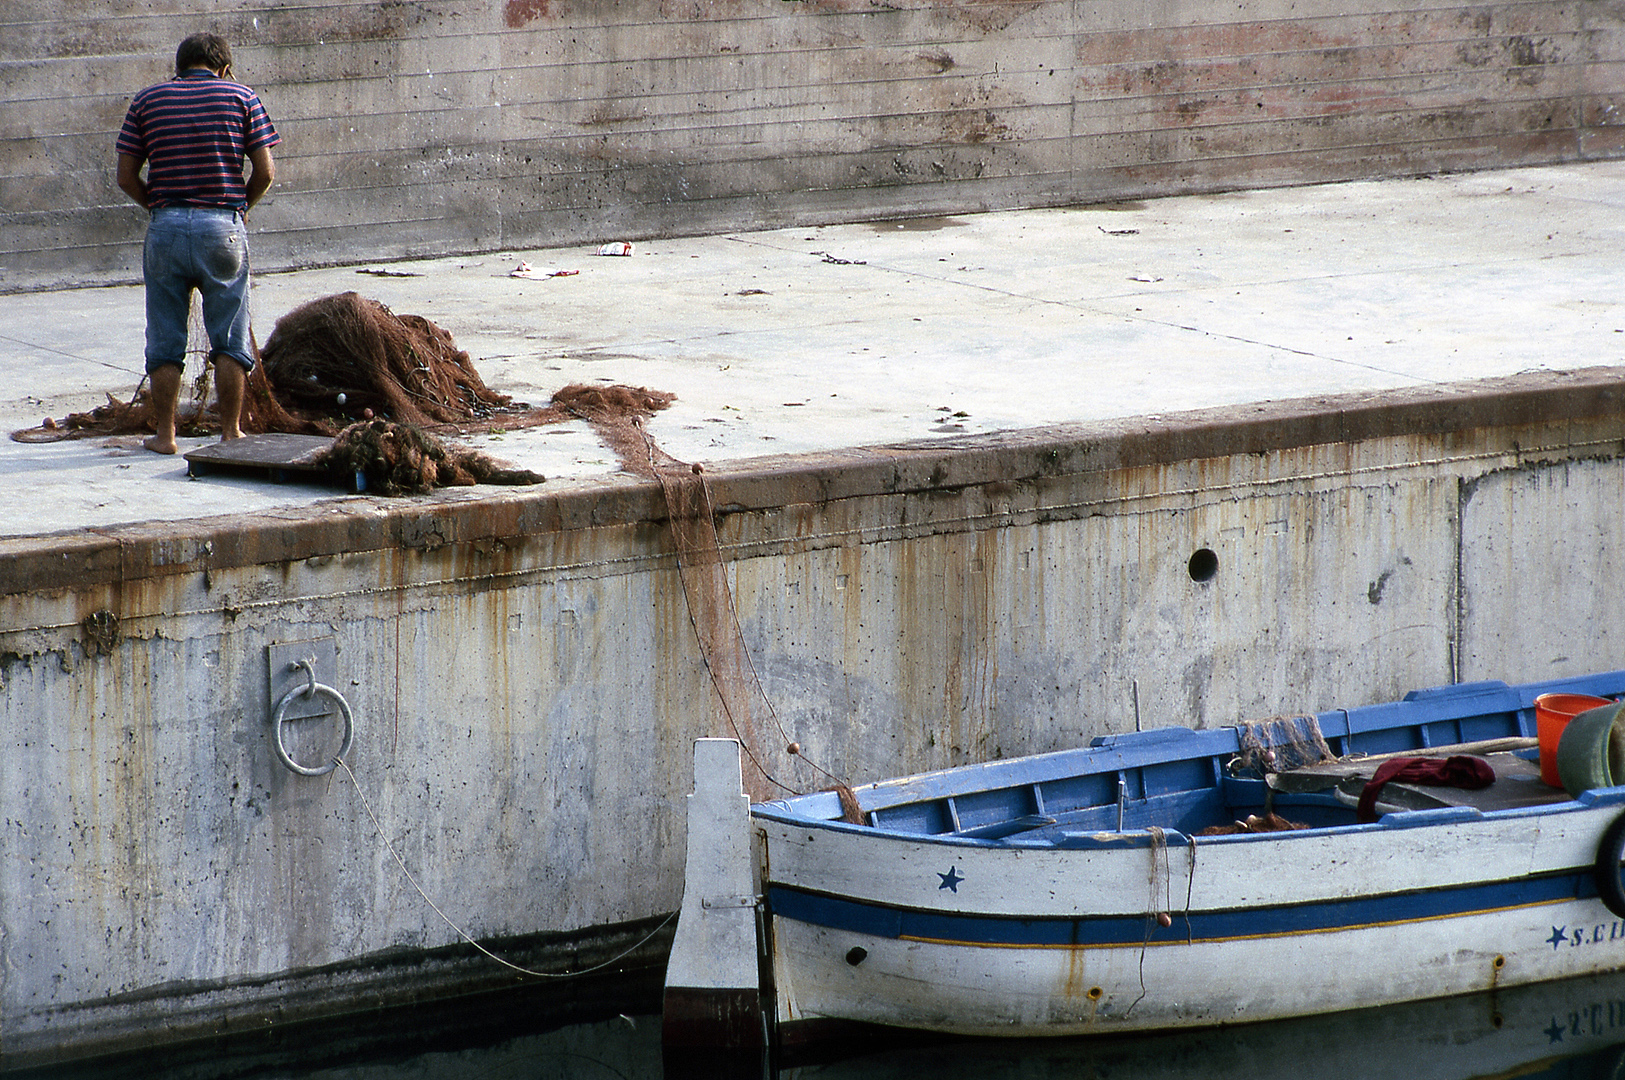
194,131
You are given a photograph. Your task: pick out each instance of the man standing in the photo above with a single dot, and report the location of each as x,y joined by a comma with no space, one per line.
193,133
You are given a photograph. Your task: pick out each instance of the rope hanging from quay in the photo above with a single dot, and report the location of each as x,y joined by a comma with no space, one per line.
464,934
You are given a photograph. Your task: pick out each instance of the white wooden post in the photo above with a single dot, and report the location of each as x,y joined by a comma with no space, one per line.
713,985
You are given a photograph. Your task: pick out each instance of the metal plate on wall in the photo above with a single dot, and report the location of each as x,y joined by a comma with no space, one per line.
283,674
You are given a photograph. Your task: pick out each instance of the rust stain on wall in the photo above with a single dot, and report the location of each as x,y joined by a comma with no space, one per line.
330,23
520,13
985,16
1309,72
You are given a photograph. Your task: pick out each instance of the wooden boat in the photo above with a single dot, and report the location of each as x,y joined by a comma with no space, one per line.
1075,892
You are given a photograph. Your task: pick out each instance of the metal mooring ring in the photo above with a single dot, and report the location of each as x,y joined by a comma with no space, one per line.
278,719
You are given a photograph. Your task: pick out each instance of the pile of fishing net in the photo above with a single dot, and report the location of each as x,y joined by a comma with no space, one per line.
1255,823
401,459
385,385
352,356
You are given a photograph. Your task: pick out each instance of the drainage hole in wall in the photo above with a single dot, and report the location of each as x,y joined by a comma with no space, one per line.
1203,565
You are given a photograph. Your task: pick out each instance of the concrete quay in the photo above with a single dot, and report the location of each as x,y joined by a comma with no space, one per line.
963,469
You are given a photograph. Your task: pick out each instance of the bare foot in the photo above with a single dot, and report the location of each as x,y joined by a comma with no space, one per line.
161,446
227,436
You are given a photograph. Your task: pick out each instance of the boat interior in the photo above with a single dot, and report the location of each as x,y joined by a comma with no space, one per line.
1290,772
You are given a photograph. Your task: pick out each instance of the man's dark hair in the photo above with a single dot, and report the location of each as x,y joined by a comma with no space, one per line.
203,50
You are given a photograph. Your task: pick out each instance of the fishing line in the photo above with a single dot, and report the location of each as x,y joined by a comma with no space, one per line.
1159,846
670,478
733,613
463,933
1190,886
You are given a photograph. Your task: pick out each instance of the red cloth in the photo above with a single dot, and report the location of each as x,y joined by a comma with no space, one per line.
1460,771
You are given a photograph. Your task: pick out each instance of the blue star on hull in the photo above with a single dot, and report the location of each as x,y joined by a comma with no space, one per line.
950,880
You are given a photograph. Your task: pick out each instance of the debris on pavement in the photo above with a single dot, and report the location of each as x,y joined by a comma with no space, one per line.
525,270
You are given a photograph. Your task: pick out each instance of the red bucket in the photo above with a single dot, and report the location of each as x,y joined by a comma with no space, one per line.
1552,714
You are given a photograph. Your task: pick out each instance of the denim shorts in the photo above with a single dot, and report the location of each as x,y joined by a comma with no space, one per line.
188,248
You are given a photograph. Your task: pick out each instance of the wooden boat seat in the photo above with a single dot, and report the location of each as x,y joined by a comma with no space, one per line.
1001,829
1517,780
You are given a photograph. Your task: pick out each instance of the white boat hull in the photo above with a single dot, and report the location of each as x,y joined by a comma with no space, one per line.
975,940
983,990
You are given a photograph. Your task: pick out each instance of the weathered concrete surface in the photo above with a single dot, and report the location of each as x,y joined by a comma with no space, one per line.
807,340
522,664
418,128
528,686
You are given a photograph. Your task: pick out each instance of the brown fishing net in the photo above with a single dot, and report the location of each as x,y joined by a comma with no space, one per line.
1280,743
617,413
1255,823
349,354
385,385
747,712
400,459
715,622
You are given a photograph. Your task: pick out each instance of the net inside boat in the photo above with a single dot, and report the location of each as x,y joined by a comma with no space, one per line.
1280,743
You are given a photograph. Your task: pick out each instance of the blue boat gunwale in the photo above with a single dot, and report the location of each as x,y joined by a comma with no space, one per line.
958,926
1498,708
1597,798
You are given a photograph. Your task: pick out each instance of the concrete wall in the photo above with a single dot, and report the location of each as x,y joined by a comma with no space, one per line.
418,127
527,684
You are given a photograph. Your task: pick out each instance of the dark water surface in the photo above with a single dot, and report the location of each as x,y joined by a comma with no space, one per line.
1569,1030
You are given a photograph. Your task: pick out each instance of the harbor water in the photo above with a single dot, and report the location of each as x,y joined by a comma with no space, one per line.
609,1030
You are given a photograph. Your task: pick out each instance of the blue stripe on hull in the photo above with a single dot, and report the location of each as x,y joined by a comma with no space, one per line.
1106,931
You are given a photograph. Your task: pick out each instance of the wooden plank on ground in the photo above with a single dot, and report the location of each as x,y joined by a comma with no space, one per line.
275,456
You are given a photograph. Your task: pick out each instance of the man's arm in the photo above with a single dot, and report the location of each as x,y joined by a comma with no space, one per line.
129,179
261,173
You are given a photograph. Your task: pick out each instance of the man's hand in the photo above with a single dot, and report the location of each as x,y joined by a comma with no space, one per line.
129,179
261,172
